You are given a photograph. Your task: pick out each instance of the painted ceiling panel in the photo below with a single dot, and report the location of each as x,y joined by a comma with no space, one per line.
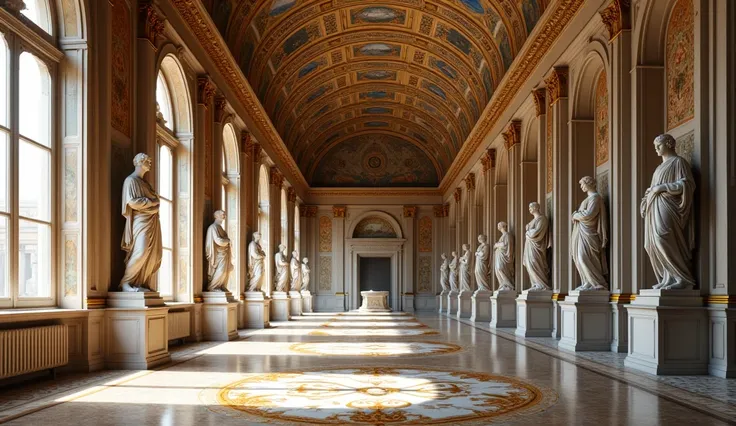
405,75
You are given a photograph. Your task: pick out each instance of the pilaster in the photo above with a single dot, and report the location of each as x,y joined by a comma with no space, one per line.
471,237
339,274
512,142
218,149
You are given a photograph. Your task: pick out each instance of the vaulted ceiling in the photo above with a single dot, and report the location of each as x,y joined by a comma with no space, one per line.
406,78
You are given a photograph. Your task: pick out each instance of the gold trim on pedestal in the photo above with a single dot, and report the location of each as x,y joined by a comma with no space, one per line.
623,298
96,303
720,300
559,296
198,299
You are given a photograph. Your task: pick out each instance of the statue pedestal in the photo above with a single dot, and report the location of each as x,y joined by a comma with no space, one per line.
407,302
134,299
306,301
452,303
464,304
219,316
137,338
257,310
585,321
667,329
503,309
280,306
481,306
295,303
534,311
442,302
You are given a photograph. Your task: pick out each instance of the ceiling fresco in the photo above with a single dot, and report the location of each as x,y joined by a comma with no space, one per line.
413,72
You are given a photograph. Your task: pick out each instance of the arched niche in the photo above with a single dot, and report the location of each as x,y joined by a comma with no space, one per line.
375,217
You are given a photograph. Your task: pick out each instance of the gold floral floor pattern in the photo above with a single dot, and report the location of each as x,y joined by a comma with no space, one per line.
378,396
375,349
375,332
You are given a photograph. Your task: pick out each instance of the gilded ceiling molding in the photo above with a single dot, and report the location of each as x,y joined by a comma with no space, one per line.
458,195
291,195
220,105
410,211
616,17
202,27
275,177
150,23
556,21
540,103
470,182
512,135
339,211
557,84
206,90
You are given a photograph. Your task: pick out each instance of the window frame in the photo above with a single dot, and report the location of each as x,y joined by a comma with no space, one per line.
24,37
164,137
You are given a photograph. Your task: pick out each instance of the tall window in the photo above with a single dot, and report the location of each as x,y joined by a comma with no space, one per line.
284,220
27,149
230,198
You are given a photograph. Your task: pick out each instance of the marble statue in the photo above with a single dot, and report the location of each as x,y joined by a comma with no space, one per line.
142,236
444,273
453,272
305,274
503,259
535,249
282,269
219,256
669,231
589,238
482,269
256,257
296,272
465,284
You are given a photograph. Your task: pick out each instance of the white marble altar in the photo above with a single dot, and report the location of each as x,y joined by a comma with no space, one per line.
374,301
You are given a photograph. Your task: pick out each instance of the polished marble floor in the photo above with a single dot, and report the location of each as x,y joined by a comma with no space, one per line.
361,369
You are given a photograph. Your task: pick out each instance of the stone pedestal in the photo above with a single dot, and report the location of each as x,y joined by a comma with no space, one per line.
722,323
257,310
451,303
534,314
280,306
407,302
481,306
374,301
668,331
219,316
306,301
442,302
295,304
586,321
464,304
503,309
136,338
134,300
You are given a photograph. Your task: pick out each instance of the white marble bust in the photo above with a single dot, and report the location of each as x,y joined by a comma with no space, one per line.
218,254
535,249
589,238
256,258
482,268
503,259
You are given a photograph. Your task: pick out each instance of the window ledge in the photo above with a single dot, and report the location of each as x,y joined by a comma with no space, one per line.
30,314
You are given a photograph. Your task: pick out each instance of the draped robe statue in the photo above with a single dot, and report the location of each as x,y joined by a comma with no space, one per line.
453,272
589,238
256,257
503,259
219,256
296,272
535,249
482,269
305,274
444,273
142,236
669,231
282,269
465,269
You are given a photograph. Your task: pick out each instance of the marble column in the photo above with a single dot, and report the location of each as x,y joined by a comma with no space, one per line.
512,142
339,274
409,223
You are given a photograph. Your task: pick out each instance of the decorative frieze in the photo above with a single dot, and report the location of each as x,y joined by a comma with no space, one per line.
206,90
425,234
220,105
616,17
557,84
339,211
512,135
325,234
410,211
151,24
540,102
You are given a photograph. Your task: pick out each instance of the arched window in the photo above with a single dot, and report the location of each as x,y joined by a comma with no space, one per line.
263,218
284,219
297,230
38,12
173,180
230,198
27,165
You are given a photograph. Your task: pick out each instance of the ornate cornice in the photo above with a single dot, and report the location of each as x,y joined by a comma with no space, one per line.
291,195
410,211
220,105
339,211
616,17
470,181
202,27
512,135
458,194
150,23
557,20
205,90
539,101
556,84
275,177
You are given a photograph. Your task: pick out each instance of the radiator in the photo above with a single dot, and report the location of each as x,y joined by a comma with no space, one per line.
179,325
26,350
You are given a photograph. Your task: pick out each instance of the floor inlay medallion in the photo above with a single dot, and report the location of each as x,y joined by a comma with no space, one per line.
378,395
375,349
375,332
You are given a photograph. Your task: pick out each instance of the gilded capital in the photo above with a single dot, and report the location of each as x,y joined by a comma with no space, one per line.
410,211
485,161
616,17
206,90
291,195
557,84
492,157
512,135
151,24
275,177
539,101
458,194
439,211
311,211
220,105
470,182
339,211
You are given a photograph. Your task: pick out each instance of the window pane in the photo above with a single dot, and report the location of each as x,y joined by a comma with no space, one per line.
4,88
4,258
34,181
166,223
165,173
38,12
165,275
4,170
164,100
35,99
34,262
